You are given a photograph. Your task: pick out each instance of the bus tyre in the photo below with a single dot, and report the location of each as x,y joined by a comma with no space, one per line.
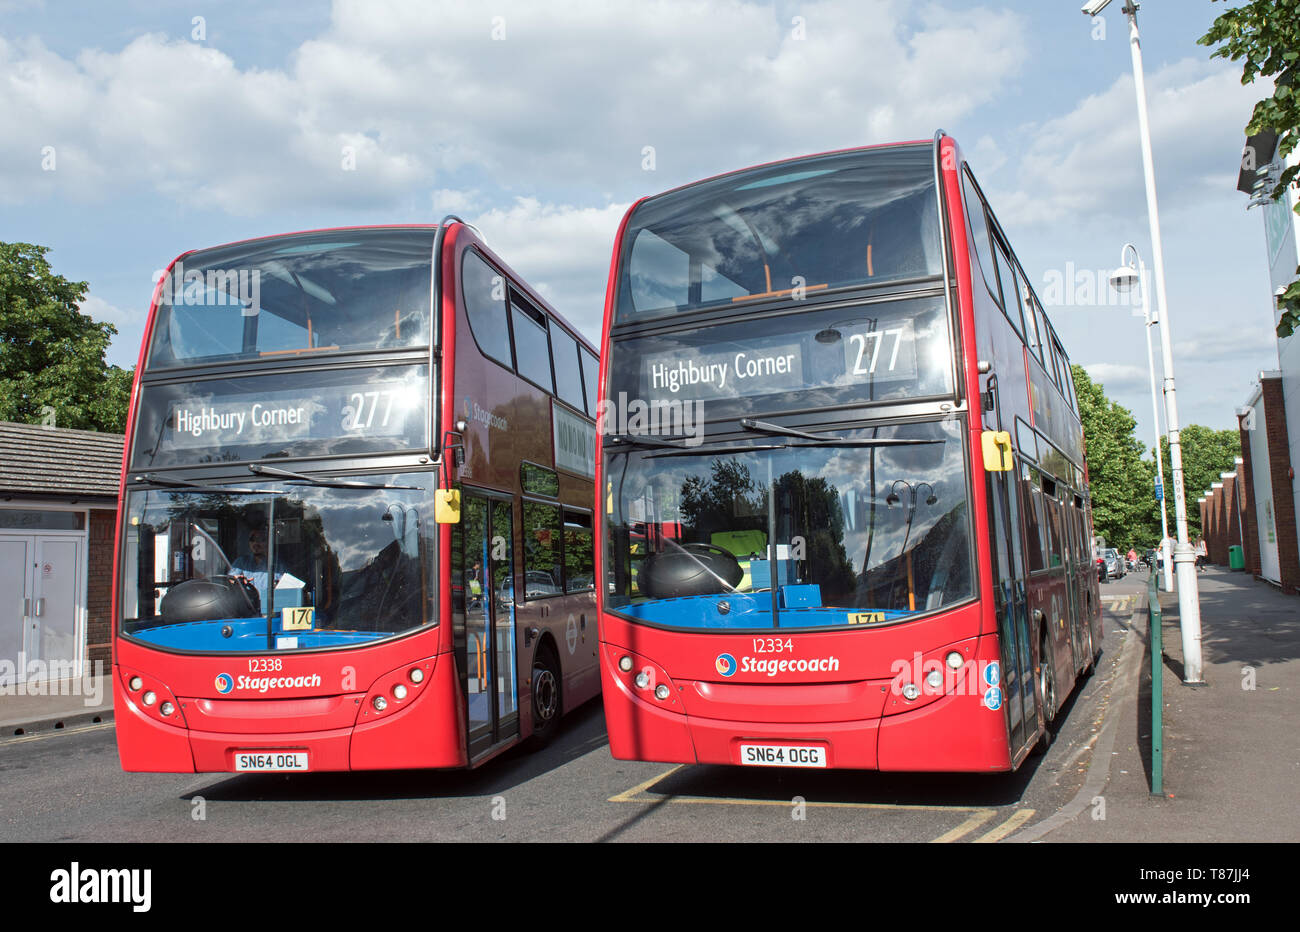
1046,679
547,699
1090,651
1045,687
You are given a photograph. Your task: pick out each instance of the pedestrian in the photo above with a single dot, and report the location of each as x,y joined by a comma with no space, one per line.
1201,552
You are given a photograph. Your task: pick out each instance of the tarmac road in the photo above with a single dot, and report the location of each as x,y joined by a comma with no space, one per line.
68,786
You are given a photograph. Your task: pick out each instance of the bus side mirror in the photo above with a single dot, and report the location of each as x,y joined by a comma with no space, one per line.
446,506
997,450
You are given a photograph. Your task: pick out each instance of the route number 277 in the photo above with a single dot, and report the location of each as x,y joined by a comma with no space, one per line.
360,414
877,338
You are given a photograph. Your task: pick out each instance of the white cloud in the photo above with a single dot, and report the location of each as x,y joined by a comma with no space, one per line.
1117,377
423,96
1227,345
130,328
562,251
1087,164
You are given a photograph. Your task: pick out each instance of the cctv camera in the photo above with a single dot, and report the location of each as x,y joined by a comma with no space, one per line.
1093,7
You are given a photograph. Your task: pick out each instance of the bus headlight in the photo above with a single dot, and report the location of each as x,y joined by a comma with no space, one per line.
166,708
135,684
380,703
642,680
399,691
955,660
911,691
149,698
416,675
661,691
934,679
625,663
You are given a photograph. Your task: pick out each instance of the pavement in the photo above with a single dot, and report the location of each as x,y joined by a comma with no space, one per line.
39,707
1231,747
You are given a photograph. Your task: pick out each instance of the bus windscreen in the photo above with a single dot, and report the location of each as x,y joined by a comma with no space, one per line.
775,232
867,526
289,296
213,569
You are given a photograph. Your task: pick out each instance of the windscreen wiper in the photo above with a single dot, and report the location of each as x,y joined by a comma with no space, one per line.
728,448
278,473
677,442
764,427
180,485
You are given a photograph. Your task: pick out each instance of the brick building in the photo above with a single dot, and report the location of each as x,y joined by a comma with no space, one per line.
1270,420
58,512
1268,481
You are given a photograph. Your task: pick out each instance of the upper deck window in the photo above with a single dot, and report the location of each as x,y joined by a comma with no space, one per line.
310,293
832,221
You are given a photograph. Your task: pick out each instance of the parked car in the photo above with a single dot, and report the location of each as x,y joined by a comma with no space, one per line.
1114,563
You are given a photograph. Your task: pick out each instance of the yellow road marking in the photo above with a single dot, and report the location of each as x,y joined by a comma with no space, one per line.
977,818
638,794
1018,818
626,795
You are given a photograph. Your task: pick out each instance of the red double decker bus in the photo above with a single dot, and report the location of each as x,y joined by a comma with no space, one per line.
355,527
846,514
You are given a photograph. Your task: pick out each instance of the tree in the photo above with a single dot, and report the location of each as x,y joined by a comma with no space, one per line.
1265,35
52,366
1120,481
1206,454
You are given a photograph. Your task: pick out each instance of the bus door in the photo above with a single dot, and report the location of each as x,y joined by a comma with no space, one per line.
1009,575
482,550
1073,599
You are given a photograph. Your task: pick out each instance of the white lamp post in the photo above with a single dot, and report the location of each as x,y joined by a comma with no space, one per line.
1133,274
1189,603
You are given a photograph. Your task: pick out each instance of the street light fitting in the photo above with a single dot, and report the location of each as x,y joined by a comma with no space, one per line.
1093,7
1123,278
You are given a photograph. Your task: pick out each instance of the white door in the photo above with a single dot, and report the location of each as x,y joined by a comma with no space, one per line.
56,588
15,600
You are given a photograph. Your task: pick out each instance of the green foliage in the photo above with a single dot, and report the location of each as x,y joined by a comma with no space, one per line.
1265,36
1120,481
52,355
1206,454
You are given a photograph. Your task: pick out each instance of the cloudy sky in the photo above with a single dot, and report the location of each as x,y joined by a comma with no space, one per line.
133,131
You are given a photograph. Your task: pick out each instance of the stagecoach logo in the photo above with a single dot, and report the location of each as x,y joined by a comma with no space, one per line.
225,683
726,664
474,413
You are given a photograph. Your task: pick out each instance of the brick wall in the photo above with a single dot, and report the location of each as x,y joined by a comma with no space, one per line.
1232,516
99,585
1212,527
1279,455
1249,517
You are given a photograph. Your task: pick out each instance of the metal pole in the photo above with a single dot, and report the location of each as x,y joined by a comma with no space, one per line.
1155,416
1189,604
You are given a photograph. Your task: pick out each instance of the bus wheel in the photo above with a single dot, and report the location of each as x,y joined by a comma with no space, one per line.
1045,686
1090,652
1046,679
547,700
